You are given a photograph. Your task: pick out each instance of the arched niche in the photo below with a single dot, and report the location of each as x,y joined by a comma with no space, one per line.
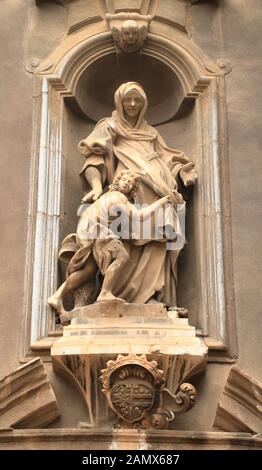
69,84
94,92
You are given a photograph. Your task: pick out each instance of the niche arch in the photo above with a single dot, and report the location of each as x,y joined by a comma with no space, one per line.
57,82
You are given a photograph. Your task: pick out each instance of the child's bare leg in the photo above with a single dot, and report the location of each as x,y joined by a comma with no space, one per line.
52,300
112,274
75,280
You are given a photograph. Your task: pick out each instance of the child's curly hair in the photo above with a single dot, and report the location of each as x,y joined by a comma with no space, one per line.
137,180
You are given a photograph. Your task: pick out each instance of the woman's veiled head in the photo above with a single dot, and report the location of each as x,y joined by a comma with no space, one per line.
131,102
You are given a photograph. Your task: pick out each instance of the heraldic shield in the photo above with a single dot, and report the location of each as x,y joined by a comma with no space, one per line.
129,384
133,393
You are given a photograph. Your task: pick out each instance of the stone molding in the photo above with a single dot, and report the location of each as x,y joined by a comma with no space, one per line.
240,406
103,439
27,399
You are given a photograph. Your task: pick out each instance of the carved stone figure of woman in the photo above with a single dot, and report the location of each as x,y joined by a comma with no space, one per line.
126,141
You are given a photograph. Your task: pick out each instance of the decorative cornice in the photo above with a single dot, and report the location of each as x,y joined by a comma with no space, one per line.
27,399
94,439
240,406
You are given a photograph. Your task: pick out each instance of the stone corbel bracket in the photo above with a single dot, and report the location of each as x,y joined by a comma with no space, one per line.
240,406
27,399
129,31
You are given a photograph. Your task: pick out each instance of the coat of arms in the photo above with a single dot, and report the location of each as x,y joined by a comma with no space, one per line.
129,384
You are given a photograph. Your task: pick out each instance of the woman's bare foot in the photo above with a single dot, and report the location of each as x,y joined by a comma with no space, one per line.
109,298
65,318
181,311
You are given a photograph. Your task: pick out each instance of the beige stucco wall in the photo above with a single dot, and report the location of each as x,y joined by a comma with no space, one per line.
231,30
24,33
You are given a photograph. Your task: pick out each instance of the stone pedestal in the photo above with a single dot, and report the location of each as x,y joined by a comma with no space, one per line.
107,344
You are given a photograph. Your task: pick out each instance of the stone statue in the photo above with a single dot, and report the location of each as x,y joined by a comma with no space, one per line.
98,242
126,142
127,277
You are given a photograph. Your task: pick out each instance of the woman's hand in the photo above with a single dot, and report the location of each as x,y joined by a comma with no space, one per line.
93,178
93,195
177,197
165,200
188,174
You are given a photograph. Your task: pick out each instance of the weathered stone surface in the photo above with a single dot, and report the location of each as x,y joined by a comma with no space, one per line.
27,399
240,407
173,12
129,312
81,13
124,328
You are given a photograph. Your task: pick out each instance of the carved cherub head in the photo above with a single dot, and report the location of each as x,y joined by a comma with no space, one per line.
129,37
130,32
127,182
